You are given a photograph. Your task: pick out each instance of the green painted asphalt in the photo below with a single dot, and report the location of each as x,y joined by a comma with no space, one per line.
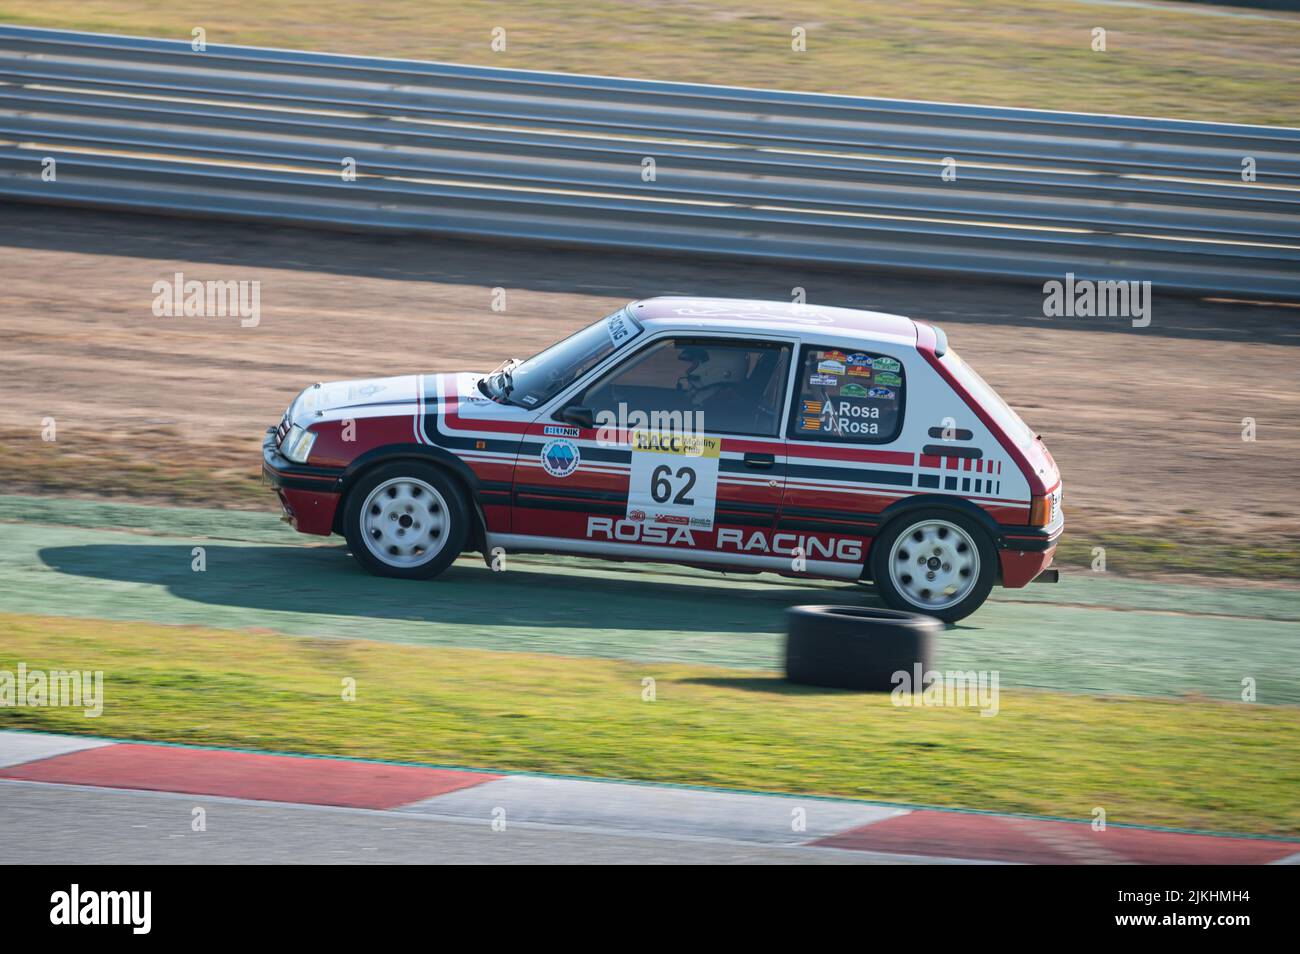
1088,633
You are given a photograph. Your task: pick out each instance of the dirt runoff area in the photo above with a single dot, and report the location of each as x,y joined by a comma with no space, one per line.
1146,423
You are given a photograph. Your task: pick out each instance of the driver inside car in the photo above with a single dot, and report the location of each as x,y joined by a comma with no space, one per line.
714,383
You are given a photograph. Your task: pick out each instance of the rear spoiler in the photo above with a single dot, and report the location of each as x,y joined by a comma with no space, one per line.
940,339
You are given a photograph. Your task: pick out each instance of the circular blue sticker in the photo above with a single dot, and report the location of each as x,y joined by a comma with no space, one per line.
560,458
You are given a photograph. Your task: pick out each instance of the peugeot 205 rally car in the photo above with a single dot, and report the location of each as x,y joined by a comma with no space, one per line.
736,435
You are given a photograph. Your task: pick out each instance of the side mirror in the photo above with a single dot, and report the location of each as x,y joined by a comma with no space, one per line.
578,416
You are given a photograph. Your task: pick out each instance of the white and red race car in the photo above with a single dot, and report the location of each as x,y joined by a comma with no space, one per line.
736,435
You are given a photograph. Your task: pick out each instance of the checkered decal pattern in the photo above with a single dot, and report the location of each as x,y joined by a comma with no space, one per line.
961,475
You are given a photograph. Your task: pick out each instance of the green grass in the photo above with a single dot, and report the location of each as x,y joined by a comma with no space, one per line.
1165,60
1188,763
145,467
1201,550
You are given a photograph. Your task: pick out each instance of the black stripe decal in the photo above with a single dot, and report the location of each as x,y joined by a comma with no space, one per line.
506,446
889,477
826,526
572,493
821,520
302,483
726,517
826,513
948,450
570,506
611,455
738,507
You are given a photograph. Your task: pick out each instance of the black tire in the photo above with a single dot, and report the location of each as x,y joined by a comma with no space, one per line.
452,535
855,647
883,545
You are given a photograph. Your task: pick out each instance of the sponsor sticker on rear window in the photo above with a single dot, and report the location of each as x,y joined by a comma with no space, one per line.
851,398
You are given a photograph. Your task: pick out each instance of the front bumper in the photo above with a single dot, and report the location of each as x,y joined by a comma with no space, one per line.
309,495
1025,552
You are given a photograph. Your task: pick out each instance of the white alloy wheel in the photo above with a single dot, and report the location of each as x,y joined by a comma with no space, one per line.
934,564
404,522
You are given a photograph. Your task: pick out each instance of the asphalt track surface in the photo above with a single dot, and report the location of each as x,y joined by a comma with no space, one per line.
241,794
1090,633
260,808
41,824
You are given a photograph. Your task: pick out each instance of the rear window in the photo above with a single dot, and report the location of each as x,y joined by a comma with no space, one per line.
847,397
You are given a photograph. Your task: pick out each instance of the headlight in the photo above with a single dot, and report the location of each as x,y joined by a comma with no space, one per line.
297,444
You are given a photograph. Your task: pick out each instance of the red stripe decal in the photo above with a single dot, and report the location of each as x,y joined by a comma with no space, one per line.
452,420
1036,841
897,458
273,778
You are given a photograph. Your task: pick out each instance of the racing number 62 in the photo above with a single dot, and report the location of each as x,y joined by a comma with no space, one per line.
661,487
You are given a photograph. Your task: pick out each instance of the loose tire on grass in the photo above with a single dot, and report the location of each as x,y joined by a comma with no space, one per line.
855,647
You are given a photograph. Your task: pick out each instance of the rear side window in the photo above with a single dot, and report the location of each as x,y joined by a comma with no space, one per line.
847,397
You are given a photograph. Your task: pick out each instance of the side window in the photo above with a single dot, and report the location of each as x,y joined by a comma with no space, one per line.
853,397
729,386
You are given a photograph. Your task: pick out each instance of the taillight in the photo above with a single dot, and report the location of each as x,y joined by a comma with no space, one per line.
1040,511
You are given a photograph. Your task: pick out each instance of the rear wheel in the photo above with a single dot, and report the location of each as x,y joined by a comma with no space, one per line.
941,564
407,520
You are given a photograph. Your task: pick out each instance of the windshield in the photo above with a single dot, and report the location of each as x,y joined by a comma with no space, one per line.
990,400
541,377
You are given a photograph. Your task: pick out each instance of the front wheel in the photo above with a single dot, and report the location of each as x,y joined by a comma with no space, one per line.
407,520
942,565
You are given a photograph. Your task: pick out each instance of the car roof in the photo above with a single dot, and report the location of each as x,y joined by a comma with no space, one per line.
739,314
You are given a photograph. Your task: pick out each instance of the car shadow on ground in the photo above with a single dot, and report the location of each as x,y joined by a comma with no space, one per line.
326,581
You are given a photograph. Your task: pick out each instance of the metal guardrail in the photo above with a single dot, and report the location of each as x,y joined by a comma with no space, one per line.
152,125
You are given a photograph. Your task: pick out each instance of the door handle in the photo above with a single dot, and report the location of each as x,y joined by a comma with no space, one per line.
760,461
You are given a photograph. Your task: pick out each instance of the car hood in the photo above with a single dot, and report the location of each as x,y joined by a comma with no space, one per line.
394,397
